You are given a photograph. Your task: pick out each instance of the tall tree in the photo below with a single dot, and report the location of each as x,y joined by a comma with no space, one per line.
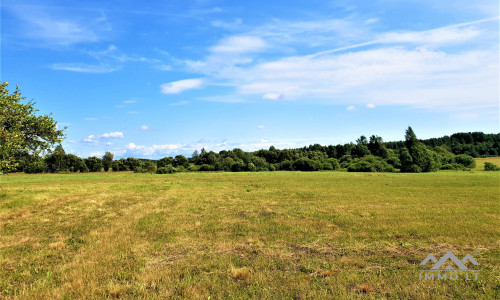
107,160
23,133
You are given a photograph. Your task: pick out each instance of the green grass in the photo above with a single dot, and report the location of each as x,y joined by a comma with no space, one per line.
274,235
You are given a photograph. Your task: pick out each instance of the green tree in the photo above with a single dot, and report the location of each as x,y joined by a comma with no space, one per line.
107,160
181,160
74,162
57,160
163,162
150,167
94,164
422,159
23,133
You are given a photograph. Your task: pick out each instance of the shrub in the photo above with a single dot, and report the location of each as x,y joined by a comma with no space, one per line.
193,168
306,164
490,167
465,160
251,167
166,170
370,163
180,169
452,166
206,168
150,166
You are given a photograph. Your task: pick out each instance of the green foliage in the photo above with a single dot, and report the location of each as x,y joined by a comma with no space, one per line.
181,160
150,167
23,133
36,165
57,161
133,163
360,150
306,164
465,160
107,160
370,163
416,157
452,166
163,162
168,169
206,167
490,167
94,164
74,162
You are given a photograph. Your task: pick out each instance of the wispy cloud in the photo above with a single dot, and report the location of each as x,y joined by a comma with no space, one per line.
105,136
411,68
239,44
56,26
85,68
180,86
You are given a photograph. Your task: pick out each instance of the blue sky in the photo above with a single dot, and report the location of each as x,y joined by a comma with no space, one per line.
168,77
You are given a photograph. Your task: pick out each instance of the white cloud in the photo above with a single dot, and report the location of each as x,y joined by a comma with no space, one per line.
91,119
112,135
350,107
412,68
85,68
129,101
151,150
54,27
370,105
260,126
273,96
239,44
180,86
105,136
144,127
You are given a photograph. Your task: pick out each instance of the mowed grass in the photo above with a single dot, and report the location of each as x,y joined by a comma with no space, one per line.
272,235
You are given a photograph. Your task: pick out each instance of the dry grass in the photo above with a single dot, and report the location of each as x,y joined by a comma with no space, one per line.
295,235
480,162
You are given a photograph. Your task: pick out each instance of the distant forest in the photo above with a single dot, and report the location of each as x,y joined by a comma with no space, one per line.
455,152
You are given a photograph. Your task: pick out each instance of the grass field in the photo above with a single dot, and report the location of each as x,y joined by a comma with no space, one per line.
480,162
280,235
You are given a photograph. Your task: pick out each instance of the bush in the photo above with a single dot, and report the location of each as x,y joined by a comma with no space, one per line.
251,167
193,168
466,161
180,169
413,169
166,170
490,167
370,163
206,168
452,166
306,164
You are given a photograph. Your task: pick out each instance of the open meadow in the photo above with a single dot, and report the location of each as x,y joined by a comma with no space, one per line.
278,235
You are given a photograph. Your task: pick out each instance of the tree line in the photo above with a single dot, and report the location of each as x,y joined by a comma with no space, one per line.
27,141
366,155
